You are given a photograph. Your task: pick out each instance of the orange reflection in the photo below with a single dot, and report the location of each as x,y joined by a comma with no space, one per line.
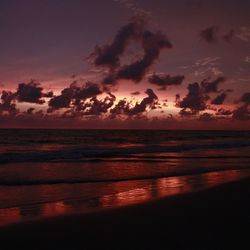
11,215
112,194
56,208
125,198
172,186
215,178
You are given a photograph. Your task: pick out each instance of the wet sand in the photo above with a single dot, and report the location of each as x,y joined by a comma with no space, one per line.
216,218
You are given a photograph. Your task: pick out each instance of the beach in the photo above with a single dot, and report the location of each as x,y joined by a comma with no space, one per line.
124,189
214,218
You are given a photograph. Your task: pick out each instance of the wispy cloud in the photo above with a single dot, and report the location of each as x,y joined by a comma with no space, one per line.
207,61
247,59
206,66
134,7
244,34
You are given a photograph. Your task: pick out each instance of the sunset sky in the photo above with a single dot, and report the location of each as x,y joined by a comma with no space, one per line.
125,64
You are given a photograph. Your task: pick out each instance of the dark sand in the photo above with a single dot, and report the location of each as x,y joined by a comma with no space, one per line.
217,218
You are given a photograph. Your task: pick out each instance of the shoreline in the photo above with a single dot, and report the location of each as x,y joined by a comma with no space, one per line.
213,218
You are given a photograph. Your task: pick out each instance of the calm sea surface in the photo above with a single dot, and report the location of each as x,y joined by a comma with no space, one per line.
52,172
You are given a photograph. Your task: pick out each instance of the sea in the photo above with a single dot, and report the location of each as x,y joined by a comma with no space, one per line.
53,172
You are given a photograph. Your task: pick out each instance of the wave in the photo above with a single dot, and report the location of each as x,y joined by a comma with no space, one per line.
25,182
81,153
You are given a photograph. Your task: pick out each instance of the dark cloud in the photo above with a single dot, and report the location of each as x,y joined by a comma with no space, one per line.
219,99
147,101
30,92
48,94
224,112
245,98
61,101
26,92
136,70
195,100
7,104
210,34
135,93
88,91
187,113
212,86
30,111
197,97
207,117
177,98
123,107
76,94
151,42
242,113
165,80
110,79
109,55
98,107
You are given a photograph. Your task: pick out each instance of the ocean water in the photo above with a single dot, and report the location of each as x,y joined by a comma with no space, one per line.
53,172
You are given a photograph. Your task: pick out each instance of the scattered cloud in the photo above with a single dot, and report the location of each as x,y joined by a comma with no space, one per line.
97,107
197,97
210,34
124,108
74,95
164,80
213,34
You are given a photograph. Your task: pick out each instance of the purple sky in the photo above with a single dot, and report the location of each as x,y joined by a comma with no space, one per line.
125,63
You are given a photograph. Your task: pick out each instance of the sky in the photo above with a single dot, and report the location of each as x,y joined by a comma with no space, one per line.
182,64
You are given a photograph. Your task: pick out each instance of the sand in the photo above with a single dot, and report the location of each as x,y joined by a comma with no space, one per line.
216,218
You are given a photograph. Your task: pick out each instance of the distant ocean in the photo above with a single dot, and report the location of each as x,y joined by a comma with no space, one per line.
51,172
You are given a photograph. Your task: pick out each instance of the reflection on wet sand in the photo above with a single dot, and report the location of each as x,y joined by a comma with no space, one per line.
115,194
12,215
